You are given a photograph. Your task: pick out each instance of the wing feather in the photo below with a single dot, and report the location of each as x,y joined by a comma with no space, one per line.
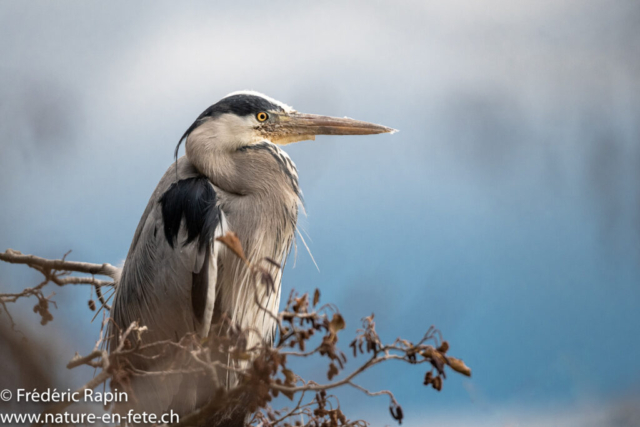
169,279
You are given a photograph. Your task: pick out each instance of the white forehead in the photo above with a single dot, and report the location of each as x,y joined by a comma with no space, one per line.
282,105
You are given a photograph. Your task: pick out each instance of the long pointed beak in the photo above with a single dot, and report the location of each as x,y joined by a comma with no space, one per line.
313,124
296,126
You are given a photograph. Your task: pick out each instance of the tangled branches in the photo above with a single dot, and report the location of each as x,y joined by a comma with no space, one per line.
264,371
57,272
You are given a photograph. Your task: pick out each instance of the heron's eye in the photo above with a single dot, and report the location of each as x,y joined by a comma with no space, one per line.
262,116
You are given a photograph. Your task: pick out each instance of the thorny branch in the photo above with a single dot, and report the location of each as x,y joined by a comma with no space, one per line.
266,372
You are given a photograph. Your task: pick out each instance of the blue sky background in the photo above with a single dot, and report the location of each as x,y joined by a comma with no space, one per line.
506,211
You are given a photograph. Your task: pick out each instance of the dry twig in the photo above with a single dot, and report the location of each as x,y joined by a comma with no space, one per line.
269,372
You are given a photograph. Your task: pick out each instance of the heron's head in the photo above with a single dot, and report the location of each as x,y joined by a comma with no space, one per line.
245,118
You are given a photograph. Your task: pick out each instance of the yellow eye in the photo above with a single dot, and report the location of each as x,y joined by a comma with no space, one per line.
262,116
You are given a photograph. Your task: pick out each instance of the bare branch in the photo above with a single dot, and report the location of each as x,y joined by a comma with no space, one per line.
57,271
267,374
16,257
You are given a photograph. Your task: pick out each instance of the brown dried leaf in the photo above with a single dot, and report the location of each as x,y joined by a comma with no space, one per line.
459,366
428,378
396,412
337,323
231,241
437,383
289,394
316,297
289,376
333,371
437,361
355,347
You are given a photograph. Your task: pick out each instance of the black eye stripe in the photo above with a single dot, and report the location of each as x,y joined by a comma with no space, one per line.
240,105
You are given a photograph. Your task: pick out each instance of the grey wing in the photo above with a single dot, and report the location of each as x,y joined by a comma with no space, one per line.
168,283
170,290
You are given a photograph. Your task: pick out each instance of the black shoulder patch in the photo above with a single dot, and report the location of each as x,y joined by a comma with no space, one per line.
193,199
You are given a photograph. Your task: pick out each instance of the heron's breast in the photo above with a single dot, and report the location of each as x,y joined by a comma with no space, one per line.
265,226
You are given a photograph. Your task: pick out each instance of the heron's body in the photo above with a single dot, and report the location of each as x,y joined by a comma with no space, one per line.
177,279
157,289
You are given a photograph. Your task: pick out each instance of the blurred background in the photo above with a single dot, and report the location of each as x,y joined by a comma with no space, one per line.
506,211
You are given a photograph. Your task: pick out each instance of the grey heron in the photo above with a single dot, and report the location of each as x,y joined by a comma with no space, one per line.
177,279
